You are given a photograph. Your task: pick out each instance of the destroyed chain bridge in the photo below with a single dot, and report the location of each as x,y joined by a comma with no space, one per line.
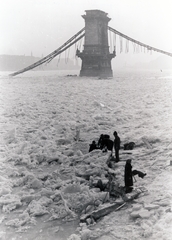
96,57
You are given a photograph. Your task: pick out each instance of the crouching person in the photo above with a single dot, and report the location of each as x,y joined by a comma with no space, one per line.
93,146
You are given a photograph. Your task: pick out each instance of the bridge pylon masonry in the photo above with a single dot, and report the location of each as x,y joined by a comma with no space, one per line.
96,58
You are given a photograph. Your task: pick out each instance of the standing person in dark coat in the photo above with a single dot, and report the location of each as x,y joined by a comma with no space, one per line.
128,176
116,142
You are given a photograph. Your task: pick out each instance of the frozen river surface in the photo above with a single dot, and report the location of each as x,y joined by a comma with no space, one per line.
41,112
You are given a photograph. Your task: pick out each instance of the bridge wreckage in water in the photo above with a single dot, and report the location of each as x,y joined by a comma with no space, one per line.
96,58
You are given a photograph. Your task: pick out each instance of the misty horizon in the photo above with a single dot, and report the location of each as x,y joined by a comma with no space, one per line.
41,28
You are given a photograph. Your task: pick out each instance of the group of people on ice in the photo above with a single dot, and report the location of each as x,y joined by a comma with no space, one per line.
105,144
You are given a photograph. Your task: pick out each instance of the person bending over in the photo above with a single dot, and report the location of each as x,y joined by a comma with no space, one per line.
128,176
93,146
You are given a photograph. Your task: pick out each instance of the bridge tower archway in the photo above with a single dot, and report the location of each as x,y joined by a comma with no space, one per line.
96,58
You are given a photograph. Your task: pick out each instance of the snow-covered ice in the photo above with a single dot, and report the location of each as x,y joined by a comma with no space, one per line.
48,121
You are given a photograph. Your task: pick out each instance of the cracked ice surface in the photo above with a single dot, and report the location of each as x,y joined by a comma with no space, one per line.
40,115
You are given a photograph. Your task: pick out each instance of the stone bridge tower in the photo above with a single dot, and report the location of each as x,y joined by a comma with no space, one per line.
96,58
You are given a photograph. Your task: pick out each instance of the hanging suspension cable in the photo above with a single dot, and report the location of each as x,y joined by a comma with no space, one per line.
140,43
52,55
110,41
75,50
127,46
114,39
80,42
137,48
134,47
58,60
67,55
120,44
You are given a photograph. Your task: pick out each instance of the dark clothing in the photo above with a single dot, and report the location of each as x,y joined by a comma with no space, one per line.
108,144
106,136
100,145
92,147
139,173
105,142
117,155
100,141
116,143
128,178
100,185
129,146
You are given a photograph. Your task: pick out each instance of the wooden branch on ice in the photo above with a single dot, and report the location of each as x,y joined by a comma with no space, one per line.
120,206
96,214
108,208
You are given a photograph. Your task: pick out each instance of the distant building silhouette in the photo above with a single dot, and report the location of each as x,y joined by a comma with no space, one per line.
15,62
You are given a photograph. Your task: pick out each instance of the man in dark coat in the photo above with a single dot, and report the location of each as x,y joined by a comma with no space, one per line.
116,142
128,176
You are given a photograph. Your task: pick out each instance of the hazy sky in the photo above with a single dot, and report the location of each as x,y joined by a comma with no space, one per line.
41,26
